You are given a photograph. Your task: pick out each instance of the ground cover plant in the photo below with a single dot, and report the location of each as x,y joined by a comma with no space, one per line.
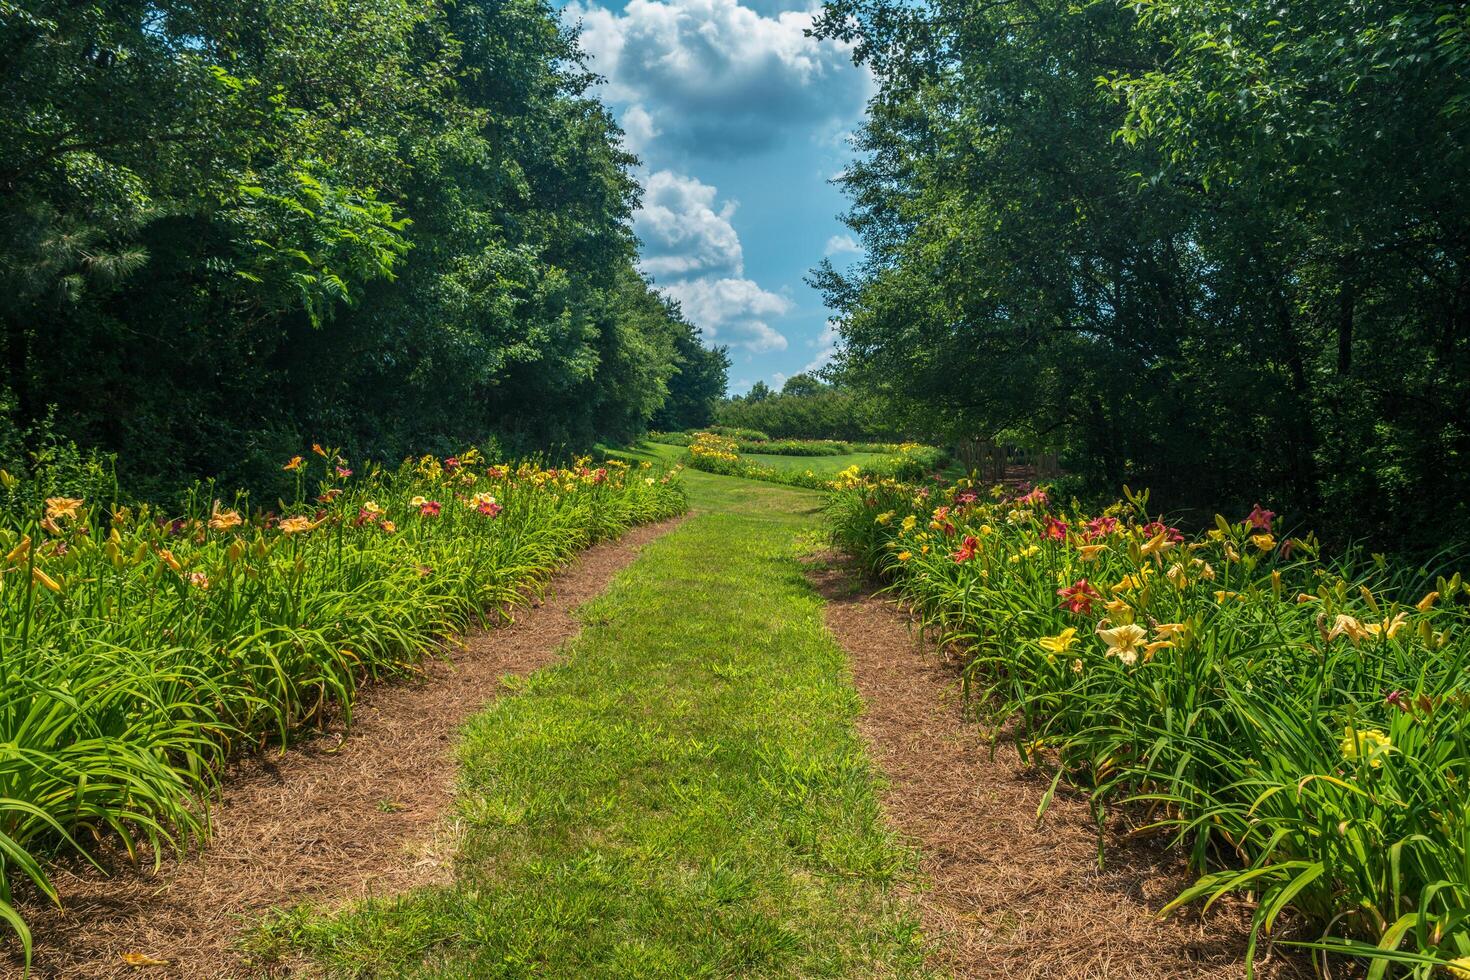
1298,723
140,648
683,795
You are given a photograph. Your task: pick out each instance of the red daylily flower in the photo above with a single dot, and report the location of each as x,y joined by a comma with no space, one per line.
1078,597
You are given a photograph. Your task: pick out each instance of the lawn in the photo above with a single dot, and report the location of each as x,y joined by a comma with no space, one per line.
684,795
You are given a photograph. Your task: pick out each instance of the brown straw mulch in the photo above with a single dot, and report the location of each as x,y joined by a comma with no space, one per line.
1000,895
341,816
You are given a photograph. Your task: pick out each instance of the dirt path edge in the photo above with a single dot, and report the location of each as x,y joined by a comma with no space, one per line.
1000,895
339,816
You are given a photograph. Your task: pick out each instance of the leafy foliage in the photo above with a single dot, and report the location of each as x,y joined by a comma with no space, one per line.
1296,724
807,408
1179,242
140,647
227,228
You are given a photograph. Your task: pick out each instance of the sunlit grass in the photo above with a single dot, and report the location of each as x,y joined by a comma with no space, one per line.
684,796
139,650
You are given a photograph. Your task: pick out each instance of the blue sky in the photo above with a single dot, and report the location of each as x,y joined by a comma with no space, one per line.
740,121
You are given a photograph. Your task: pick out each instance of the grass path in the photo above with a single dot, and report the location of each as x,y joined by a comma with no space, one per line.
685,794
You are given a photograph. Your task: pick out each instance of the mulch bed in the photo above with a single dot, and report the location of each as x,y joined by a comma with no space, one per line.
337,817
1000,895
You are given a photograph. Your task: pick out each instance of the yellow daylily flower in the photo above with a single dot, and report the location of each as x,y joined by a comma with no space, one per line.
1060,643
59,507
1264,542
1389,627
1345,625
1089,552
1156,545
1427,603
1371,745
1123,641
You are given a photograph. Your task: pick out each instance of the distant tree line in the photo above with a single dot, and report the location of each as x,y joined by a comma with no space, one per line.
228,228
1221,249
808,408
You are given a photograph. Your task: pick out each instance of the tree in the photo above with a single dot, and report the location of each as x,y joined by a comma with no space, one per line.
392,226
1179,276
759,392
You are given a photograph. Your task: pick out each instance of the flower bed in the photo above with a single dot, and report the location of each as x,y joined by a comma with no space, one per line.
1298,724
140,649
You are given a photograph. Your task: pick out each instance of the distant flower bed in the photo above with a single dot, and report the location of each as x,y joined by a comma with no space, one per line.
1299,726
719,454
140,647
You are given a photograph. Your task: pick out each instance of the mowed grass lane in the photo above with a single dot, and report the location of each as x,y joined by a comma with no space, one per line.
685,795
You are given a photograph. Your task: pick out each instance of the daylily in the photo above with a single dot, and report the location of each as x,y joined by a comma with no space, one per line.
489,508
1265,542
199,580
1027,552
1427,603
1123,641
909,523
1036,498
1078,597
1157,545
1389,627
1345,625
1100,527
1088,552
417,500
295,464
1056,530
1060,643
1171,631
1130,582
1371,745
429,508
223,520
1149,649
905,555
316,447
44,580
1155,528
1259,518
967,549
296,525
59,507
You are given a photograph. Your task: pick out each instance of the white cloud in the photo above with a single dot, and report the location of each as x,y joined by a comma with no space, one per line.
733,311
639,130
714,76
839,244
684,233
827,342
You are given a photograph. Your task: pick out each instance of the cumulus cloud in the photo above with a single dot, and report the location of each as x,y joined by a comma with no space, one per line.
840,244
733,311
715,77
639,130
684,232
826,342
